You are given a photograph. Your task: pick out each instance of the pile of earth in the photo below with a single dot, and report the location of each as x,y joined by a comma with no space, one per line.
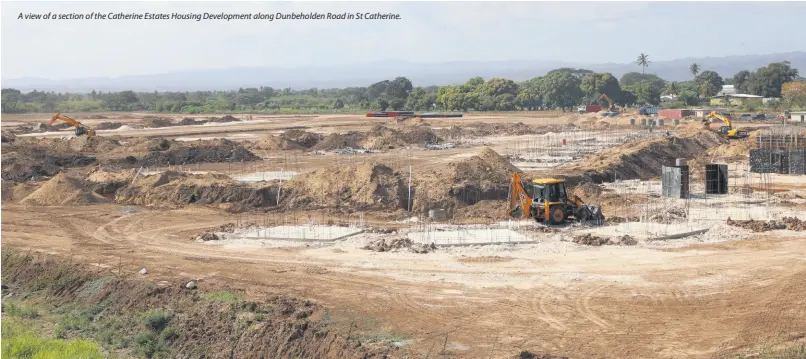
29,159
62,190
182,320
107,126
175,189
788,223
396,243
97,117
16,191
163,153
107,182
638,160
483,129
271,143
156,122
359,187
302,138
484,176
7,136
335,141
225,118
381,137
191,121
485,209
591,240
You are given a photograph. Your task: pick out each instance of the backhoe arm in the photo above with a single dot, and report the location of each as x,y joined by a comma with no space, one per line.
69,120
519,201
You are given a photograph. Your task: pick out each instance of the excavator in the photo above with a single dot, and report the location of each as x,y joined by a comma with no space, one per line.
727,131
80,129
549,203
611,105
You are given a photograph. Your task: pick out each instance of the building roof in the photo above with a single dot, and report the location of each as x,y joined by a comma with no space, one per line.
737,95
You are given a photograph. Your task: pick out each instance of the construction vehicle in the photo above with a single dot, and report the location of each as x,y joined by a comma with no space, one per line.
727,130
549,202
80,129
611,105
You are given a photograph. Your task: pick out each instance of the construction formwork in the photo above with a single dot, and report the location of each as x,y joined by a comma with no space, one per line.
779,150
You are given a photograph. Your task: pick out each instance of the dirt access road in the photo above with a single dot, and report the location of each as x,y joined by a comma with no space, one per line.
613,302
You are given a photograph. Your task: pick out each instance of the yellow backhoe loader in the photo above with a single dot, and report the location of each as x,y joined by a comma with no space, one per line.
80,129
727,130
549,202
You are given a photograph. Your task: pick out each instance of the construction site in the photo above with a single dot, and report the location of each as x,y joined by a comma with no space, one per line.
490,235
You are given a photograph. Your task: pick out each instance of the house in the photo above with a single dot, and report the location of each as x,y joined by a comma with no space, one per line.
668,98
736,99
798,117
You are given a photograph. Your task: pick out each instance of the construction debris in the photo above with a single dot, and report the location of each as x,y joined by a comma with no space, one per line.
394,243
591,240
787,223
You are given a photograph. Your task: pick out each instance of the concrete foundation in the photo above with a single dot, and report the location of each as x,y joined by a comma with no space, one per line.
299,233
647,231
469,237
265,176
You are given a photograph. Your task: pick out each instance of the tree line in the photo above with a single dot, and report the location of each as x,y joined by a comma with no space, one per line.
560,89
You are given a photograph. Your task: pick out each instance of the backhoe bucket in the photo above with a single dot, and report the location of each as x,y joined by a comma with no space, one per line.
591,214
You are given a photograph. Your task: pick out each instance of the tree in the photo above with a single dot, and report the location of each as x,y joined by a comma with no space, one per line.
338,104
11,99
767,81
475,81
671,89
593,85
794,93
695,69
632,78
381,104
740,81
688,98
643,61
560,89
578,73
710,83
645,93
498,86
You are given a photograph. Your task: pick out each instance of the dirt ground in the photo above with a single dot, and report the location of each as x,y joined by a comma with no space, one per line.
692,300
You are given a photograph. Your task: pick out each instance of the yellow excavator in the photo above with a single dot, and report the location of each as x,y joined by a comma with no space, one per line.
549,202
80,129
727,130
611,105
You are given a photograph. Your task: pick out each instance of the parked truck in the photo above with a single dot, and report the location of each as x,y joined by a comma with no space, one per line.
646,111
589,108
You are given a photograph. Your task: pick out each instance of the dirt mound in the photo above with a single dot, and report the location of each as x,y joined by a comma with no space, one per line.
7,136
176,189
303,138
393,244
62,190
94,144
361,186
191,121
419,135
14,192
180,153
172,319
275,143
336,141
156,122
484,209
96,117
225,118
107,126
381,137
639,160
107,182
591,240
35,162
484,176
788,223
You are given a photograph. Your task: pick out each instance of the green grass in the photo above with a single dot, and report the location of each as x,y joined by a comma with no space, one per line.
24,311
21,342
221,297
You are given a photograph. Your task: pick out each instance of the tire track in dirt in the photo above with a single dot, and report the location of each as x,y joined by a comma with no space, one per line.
584,308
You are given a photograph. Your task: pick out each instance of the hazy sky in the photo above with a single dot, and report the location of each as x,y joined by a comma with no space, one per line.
428,32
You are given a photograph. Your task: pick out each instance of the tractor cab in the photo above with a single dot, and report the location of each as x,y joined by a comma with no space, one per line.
550,190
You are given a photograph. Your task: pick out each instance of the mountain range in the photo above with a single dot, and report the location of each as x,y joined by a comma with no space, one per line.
421,74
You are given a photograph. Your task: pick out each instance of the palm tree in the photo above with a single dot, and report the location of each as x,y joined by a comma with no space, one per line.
695,69
643,61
